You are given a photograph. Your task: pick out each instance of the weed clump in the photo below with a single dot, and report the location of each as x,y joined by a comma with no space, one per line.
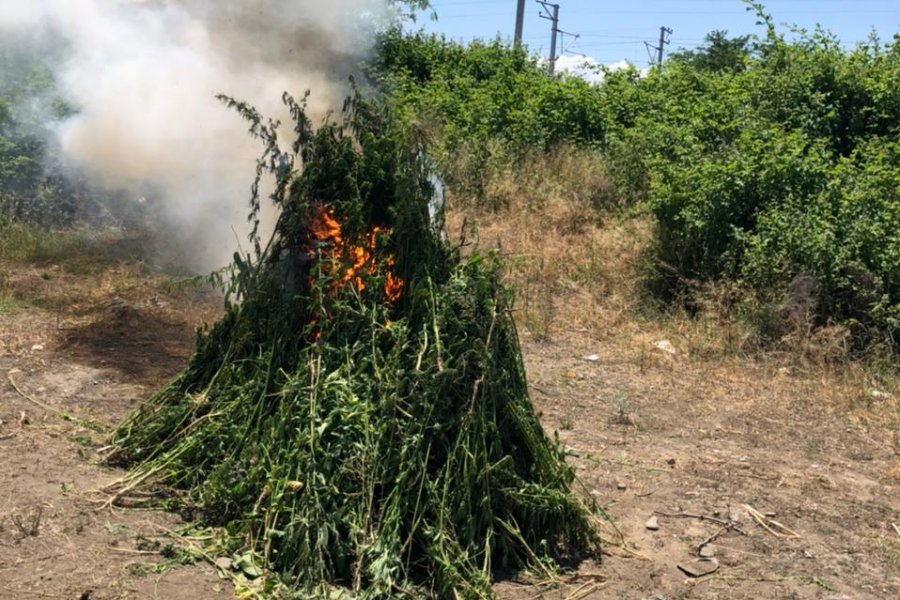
359,419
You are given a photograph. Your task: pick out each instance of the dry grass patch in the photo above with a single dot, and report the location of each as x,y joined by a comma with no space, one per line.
564,280
574,265
580,268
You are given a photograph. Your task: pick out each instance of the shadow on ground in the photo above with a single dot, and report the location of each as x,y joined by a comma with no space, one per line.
142,344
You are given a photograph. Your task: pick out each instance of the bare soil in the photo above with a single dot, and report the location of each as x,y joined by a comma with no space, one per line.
702,444
695,444
69,375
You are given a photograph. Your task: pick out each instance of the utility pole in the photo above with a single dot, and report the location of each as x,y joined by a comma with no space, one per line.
664,33
664,40
520,22
551,13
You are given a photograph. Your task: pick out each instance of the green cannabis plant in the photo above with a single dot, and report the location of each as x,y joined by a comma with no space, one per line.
359,418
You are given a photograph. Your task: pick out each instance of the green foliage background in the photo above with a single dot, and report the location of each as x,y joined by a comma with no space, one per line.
487,90
764,160
34,185
780,166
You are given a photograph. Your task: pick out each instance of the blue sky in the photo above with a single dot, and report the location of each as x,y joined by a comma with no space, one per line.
615,31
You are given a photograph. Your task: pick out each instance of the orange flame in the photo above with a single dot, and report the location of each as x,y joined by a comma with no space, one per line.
354,260
326,228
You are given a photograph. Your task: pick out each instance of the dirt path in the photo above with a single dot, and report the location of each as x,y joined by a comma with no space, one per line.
652,434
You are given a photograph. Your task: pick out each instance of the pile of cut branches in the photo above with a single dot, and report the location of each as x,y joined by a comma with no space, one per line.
359,418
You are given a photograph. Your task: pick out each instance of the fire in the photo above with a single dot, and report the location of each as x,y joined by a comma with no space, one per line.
326,228
353,261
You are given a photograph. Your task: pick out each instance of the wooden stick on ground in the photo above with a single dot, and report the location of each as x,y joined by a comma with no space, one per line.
586,590
34,401
65,416
710,540
728,524
771,525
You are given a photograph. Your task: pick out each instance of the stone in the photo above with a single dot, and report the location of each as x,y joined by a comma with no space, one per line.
666,346
699,567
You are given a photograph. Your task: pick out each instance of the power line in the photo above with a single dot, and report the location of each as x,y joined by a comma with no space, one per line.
610,38
470,16
562,37
731,12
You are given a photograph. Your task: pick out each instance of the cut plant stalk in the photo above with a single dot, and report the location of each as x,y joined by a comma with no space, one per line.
366,424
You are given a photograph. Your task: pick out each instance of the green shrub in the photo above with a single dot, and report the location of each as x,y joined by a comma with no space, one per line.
483,94
783,167
36,186
847,237
765,161
17,242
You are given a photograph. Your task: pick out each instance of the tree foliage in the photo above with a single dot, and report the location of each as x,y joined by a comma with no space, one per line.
34,186
783,168
38,185
718,53
764,159
486,90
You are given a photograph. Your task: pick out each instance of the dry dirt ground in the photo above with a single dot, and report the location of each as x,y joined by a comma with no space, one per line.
792,481
77,352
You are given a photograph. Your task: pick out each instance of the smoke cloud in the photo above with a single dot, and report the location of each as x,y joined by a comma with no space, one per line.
143,75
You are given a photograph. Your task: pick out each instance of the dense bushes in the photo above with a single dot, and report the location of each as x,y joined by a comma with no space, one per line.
38,185
764,160
32,188
487,90
488,105
784,168
846,236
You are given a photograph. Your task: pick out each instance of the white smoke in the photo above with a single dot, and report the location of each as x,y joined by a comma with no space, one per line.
143,75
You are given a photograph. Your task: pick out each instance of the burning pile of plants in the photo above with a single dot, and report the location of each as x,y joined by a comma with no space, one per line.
359,419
